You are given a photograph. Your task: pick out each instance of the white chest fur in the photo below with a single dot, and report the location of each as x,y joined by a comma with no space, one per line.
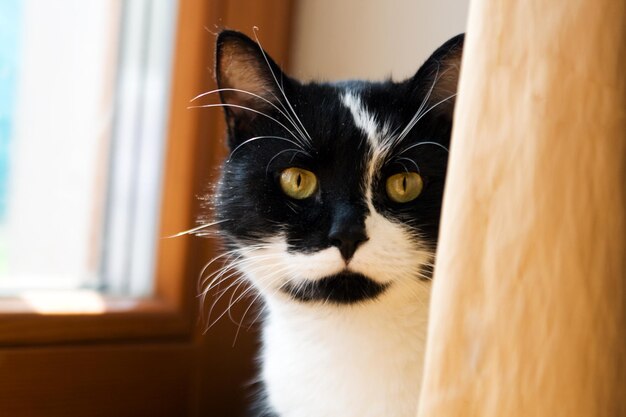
347,361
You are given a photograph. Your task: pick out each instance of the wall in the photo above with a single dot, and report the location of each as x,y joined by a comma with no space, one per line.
370,39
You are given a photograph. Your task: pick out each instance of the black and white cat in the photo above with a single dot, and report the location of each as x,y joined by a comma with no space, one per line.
329,204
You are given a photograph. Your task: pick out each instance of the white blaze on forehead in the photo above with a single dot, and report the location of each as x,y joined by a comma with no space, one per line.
377,136
363,119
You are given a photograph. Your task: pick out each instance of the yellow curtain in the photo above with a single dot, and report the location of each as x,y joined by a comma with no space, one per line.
528,315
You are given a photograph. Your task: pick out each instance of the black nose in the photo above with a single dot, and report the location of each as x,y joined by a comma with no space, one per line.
347,238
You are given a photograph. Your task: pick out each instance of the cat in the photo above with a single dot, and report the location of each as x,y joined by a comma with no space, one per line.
329,203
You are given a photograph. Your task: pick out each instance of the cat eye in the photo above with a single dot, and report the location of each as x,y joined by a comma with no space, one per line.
298,183
404,187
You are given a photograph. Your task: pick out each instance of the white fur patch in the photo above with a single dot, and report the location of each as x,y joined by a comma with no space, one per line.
363,360
363,119
378,136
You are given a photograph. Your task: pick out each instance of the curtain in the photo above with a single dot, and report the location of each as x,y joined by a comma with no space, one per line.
528,315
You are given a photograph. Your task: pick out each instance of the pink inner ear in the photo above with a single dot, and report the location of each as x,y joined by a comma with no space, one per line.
240,70
448,76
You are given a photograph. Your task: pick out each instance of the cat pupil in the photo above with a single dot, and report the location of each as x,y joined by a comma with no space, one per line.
404,184
299,180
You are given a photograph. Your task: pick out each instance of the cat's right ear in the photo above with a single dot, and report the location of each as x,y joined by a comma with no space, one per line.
247,79
439,76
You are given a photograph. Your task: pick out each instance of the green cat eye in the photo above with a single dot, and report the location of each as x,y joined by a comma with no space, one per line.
298,183
404,187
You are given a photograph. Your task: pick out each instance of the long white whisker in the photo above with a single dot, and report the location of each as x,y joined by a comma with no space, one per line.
202,280
278,154
224,269
237,299
240,261
195,229
249,109
422,104
422,143
230,269
224,273
255,30
413,123
284,113
203,294
266,137
216,301
254,300
411,161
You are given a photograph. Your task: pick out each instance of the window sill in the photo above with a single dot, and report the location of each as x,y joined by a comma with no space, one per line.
85,317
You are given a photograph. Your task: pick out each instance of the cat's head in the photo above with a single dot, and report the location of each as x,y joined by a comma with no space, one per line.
332,191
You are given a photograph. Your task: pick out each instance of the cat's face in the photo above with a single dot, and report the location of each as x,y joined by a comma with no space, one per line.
332,192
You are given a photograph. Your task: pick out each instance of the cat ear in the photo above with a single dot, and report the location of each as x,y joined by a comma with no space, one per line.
246,76
439,76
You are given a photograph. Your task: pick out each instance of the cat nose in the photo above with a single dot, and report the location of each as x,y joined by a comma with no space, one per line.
347,238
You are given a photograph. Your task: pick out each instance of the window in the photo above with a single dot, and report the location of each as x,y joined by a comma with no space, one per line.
83,127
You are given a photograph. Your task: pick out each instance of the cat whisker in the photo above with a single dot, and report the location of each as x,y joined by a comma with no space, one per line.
239,324
237,90
296,151
277,274
240,261
411,161
258,296
195,229
220,275
413,123
292,206
415,145
422,104
203,294
228,254
262,310
419,114
266,137
282,90
253,302
249,109
236,282
209,233
232,302
224,274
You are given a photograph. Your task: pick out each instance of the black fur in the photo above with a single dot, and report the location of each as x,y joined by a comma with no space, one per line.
342,288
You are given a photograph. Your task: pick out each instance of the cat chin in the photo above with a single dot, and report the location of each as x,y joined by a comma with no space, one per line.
345,287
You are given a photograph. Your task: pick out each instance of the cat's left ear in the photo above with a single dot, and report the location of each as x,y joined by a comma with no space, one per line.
247,78
438,77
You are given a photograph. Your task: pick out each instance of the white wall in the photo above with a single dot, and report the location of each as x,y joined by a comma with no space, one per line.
373,39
